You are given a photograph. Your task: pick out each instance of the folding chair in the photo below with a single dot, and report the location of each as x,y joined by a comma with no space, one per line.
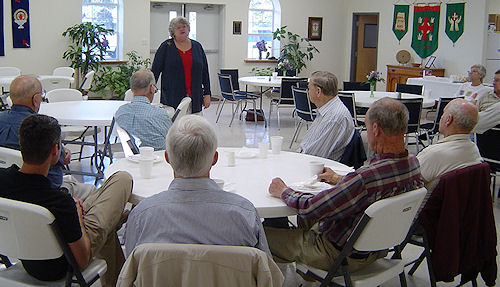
29,232
304,110
9,72
64,71
410,89
10,156
384,225
349,102
87,82
488,144
182,108
285,98
414,107
50,83
356,86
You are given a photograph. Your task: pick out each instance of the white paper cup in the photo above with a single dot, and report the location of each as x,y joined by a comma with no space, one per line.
146,167
220,182
231,159
316,167
276,142
146,152
263,148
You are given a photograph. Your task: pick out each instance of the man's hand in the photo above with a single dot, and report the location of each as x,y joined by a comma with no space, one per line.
276,186
329,176
67,156
206,101
79,207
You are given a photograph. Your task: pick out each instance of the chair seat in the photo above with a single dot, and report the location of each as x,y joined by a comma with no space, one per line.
283,102
16,276
372,275
427,126
246,94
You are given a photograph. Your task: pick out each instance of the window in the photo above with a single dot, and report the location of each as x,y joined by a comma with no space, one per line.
264,17
108,13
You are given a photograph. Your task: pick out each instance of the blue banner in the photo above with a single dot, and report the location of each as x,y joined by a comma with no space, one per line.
2,50
20,24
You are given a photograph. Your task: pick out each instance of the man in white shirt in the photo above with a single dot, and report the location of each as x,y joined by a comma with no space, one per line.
492,97
474,89
333,126
456,150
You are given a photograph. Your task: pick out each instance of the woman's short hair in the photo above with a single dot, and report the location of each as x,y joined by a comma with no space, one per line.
37,135
481,70
191,144
391,115
176,21
326,81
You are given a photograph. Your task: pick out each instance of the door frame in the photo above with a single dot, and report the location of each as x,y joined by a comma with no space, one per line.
354,41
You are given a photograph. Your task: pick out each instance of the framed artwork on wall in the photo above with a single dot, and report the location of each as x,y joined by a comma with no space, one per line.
236,27
315,28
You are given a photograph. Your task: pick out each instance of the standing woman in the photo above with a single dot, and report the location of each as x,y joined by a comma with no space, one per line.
183,67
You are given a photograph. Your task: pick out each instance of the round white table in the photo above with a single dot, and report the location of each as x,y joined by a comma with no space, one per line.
250,177
261,81
364,100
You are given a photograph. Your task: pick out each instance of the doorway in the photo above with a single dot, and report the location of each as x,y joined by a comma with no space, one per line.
364,45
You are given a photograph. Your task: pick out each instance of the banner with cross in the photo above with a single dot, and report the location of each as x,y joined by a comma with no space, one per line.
400,20
425,29
455,21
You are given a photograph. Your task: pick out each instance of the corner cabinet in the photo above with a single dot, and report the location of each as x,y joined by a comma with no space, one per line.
399,75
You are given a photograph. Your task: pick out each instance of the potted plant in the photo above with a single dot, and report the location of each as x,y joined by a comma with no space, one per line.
87,48
295,50
116,81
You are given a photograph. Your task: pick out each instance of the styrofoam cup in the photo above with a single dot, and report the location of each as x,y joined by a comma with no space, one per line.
146,167
316,167
276,142
146,152
263,148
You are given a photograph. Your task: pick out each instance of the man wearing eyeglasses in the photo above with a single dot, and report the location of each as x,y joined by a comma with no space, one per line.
26,94
489,108
141,119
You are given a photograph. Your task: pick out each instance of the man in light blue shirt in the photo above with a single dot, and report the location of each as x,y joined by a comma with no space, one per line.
194,210
139,118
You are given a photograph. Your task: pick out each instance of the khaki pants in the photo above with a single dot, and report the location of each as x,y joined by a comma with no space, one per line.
103,209
308,247
76,188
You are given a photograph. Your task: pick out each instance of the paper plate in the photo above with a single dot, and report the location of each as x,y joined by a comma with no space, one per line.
135,158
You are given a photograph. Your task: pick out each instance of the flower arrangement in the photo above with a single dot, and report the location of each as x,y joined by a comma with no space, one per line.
261,45
372,78
284,64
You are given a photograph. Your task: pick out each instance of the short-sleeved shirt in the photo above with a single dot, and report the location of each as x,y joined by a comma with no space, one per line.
36,189
487,100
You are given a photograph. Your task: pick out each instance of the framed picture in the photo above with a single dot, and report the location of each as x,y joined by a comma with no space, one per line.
430,62
315,28
236,27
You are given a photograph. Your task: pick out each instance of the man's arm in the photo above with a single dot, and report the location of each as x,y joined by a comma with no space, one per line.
325,142
488,119
81,247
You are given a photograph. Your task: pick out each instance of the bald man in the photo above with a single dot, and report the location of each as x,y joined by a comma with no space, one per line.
26,95
456,149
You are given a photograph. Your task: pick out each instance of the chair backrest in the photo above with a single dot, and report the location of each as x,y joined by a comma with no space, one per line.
128,144
64,71
354,153
10,156
182,108
439,112
9,72
87,81
55,82
488,144
303,106
162,264
64,95
226,87
286,96
356,86
26,232
234,77
410,89
389,221
349,102
129,95
414,107
303,84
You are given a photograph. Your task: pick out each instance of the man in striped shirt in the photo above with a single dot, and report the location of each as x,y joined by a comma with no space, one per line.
333,126
337,210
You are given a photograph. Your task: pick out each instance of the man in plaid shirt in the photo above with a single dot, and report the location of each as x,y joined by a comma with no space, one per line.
391,171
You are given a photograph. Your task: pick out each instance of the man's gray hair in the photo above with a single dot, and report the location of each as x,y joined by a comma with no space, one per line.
141,80
326,81
24,87
176,21
464,114
391,115
481,70
191,145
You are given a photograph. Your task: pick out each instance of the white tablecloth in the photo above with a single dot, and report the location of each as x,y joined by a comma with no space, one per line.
436,87
250,177
364,100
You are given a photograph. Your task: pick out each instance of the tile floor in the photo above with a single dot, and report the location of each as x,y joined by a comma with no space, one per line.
249,134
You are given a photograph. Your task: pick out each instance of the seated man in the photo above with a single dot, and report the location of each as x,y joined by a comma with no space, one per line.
139,118
474,89
333,126
194,209
26,94
489,108
338,209
88,227
455,150
492,97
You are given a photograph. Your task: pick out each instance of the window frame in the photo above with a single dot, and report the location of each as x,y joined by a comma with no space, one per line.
276,12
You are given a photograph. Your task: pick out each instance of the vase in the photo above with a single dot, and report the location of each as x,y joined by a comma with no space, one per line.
372,89
260,55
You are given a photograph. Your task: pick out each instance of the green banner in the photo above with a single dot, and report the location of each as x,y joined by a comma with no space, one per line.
455,21
425,30
400,20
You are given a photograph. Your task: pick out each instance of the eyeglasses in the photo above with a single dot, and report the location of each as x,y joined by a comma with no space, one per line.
156,88
42,94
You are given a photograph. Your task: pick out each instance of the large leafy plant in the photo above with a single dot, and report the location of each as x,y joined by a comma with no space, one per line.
88,46
295,50
117,80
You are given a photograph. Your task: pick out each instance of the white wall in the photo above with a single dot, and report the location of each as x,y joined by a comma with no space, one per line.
493,6
468,49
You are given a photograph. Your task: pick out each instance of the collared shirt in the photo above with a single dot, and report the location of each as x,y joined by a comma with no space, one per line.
10,121
196,211
488,118
487,100
145,121
330,132
339,208
466,90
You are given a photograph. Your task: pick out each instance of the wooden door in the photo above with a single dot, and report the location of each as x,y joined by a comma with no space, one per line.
366,45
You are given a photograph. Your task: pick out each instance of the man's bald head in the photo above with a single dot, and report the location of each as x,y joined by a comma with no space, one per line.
23,88
463,117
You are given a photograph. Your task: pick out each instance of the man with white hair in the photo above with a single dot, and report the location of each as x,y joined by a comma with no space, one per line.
194,209
455,150
141,119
